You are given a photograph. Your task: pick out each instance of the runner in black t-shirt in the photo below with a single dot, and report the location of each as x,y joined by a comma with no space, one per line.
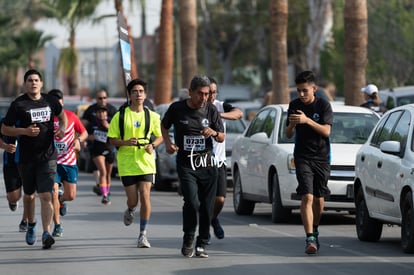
12,180
30,117
310,119
196,122
88,118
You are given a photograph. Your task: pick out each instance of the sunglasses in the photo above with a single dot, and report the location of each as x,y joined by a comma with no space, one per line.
100,98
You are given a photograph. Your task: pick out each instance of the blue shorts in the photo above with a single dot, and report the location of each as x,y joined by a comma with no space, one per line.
67,173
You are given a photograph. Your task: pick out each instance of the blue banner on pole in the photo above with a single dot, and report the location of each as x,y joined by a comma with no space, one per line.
125,48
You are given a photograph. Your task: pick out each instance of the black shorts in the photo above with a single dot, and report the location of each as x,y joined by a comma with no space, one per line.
37,176
222,181
312,177
108,153
12,180
131,180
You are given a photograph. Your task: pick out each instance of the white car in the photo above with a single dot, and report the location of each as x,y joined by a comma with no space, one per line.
263,167
384,178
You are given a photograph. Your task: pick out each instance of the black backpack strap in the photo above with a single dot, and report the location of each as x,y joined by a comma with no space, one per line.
147,121
121,121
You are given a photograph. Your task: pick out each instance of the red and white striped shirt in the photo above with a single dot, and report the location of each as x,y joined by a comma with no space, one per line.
64,146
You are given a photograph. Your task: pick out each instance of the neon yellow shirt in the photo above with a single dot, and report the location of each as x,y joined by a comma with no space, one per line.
134,160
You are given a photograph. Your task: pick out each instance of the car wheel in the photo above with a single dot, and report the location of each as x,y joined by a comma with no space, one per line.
368,229
279,213
407,226
241,206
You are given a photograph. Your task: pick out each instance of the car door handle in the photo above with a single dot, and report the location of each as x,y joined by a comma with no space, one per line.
379,164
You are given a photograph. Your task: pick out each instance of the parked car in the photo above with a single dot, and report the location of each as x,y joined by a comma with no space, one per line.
384,178
249,108
263,166
398,96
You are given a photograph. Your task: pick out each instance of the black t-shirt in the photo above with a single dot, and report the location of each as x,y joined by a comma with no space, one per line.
24,112
308,143
195,151
96,128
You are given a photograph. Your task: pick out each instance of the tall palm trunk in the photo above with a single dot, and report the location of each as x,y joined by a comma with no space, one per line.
165,56
188,38
356,42
72,76
279,22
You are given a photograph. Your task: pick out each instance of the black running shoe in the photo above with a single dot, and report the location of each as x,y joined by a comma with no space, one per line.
218,230
97,190
188,249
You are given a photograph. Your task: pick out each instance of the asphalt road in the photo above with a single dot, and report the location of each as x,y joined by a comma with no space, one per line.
95,241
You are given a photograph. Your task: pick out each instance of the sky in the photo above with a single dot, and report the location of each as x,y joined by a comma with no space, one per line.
105,33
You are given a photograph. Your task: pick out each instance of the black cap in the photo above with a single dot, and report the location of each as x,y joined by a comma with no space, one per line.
57,93
101,107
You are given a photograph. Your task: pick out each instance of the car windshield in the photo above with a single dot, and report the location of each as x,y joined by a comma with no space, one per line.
350,128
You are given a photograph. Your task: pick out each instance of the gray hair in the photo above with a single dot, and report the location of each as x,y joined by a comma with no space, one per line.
199,81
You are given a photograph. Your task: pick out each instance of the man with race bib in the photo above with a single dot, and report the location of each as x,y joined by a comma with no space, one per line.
196,123
30,118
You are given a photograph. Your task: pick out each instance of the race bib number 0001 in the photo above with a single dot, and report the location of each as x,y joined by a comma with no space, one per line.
40,115
194,143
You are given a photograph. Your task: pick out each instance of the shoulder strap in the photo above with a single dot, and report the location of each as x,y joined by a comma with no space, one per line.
147,121
121,121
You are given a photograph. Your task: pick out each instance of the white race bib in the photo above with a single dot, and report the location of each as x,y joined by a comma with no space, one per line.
61,147
40,114
100,135
194,143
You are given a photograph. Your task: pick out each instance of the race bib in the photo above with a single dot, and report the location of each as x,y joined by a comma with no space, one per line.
61,147
100,135
194,143
40,115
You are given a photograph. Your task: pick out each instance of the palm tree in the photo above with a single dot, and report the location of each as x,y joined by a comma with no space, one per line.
70,14
165,60
28,42
279,21
356,41
188,38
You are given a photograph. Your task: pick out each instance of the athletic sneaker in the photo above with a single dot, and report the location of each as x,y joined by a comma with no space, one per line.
187,249
23,226
47,240
13,206
201,251
128,217
57,231
311,247
31,234
63,209
316,235
218,230
143,241
106,200
97,190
